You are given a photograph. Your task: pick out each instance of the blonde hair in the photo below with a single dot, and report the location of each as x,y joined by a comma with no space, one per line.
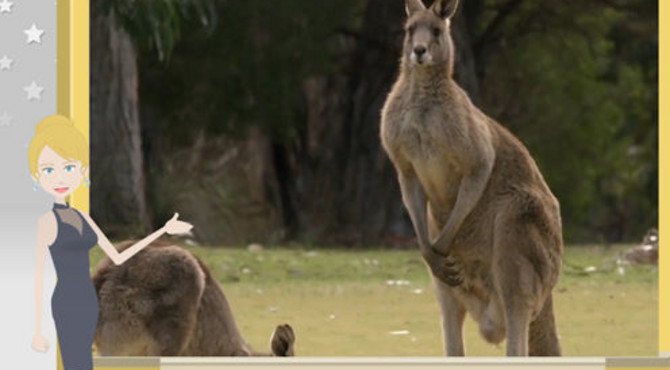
58,133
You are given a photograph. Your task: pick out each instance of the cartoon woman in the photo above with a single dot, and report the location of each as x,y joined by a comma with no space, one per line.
58,159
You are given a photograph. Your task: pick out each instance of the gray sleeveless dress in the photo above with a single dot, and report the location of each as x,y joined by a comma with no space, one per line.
74,303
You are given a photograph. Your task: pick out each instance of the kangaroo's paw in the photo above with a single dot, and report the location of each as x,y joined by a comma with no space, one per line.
447,269
282,341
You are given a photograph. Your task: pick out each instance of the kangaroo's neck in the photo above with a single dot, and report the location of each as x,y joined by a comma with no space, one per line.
430,80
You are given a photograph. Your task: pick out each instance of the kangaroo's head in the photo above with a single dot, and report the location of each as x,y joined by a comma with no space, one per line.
427,37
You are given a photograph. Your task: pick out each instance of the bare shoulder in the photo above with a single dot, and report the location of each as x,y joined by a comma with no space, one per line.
47,220
47,228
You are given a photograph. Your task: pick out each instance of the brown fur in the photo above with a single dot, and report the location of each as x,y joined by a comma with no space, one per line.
165,302
487,224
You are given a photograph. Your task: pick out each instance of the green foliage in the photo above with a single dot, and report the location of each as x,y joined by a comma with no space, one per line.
250,70
157,24
586,109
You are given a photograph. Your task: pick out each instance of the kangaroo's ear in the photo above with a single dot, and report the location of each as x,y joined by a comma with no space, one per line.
413,6
444,8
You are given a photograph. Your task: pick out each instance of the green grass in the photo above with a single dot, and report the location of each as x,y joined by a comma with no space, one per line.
341,304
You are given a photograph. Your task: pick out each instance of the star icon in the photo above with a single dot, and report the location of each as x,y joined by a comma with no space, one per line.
5,63
34,34
34,91
5,6
5,120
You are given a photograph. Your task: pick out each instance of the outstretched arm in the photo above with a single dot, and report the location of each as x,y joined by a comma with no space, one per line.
173,226
46,234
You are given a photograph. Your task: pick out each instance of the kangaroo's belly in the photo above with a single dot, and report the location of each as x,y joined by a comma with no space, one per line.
440,185
484,305
481,300
439,175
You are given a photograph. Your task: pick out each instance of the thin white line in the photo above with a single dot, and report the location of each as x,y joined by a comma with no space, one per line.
382,360
70,71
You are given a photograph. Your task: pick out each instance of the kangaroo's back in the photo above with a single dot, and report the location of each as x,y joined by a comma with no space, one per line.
165,302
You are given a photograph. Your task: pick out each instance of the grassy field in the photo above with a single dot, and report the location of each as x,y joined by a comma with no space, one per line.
381,302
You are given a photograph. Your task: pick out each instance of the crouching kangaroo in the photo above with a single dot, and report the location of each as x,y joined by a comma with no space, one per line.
165,302
488,227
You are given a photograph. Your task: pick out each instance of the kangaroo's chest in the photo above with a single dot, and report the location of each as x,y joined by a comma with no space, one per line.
424,141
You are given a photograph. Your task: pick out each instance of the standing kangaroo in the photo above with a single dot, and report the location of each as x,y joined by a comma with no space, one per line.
486,222
165,302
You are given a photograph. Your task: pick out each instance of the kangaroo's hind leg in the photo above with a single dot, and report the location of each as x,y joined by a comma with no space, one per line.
517,304
523,274
452,311
453,316
172,294
543,336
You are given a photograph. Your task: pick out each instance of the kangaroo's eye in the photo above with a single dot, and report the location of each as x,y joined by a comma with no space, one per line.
437,32
411,29
69,168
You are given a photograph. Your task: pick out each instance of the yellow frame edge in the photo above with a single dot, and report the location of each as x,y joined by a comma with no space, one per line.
664,180
72,76
73,73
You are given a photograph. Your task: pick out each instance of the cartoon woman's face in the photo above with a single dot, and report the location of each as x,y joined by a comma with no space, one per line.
58,176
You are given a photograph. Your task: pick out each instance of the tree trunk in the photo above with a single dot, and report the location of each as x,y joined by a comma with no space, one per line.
117,191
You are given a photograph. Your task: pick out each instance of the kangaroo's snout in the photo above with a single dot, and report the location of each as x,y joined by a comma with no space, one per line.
420,54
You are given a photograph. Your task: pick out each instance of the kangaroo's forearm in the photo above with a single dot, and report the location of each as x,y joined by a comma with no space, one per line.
414,199
469,193
128,253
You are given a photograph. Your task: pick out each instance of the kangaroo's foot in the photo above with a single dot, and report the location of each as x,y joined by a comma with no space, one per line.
282,341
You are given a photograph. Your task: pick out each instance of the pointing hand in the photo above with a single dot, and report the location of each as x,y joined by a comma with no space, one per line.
174,226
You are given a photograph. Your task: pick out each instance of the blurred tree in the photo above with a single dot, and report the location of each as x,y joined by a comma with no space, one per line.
247,78
585,104
118,28
302,83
